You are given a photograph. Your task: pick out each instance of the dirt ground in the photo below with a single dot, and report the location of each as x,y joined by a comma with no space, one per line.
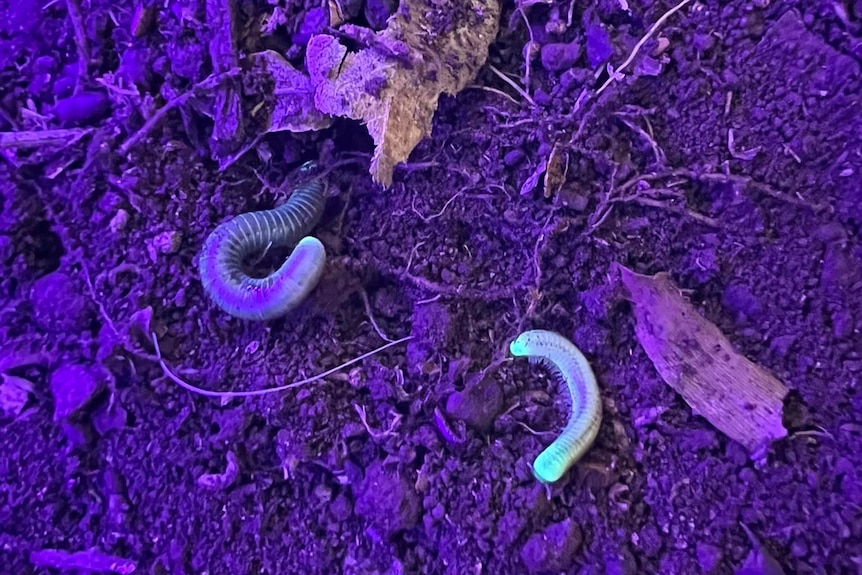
730,156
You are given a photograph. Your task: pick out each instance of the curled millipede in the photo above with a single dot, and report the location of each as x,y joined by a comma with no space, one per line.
221,261
568,364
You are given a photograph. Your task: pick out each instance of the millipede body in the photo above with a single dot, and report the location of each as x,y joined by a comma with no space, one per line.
247,297
569,365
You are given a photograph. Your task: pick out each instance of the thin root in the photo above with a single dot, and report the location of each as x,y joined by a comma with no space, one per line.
258,392
513,84
370,315
653,29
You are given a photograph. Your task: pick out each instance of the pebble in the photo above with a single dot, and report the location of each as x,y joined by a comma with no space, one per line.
708,556
73,387
387,501
560,56
478,405
58,306
554,549
514,158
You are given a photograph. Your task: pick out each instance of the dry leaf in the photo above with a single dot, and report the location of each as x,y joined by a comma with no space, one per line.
291,106
393,84
737,396
555,173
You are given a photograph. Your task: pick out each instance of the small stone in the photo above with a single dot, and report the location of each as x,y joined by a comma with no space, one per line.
387,501
14,394
74,386
478,405
514,158
554,549
708,556
83,108
58,305
781,345
168,242
119,221
738,300
599,47
560,56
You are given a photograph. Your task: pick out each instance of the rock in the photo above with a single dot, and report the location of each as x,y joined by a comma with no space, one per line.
560,56
387,501
514,157
739,301
74,386
14,395
83,108
599,47
708,556
478,405
554,549
58,306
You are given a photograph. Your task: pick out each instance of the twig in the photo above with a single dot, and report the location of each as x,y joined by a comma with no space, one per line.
653,29
259,392
513,84
37,138
74,10
529,56
207,84
724,178
706,220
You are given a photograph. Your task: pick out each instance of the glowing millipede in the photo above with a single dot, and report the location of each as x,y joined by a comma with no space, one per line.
568,364
246,297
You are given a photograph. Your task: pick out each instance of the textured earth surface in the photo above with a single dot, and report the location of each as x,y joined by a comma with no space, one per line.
729,156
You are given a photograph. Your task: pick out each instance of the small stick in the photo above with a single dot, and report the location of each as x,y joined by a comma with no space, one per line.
74,10
38,138
207,84
258,392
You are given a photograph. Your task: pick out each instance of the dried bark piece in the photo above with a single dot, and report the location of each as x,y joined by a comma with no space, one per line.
394,83
228,128
735,395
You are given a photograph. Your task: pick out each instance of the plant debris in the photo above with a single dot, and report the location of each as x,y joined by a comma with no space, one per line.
734,394
393,85
291,107
90,561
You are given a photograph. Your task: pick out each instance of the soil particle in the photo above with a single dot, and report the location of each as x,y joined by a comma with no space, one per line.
478,405
73,387
558,57
58,304
554,549
387,501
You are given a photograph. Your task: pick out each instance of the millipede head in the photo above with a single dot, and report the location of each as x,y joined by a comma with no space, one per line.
308,167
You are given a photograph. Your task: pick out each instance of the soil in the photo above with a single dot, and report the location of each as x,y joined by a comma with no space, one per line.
417,460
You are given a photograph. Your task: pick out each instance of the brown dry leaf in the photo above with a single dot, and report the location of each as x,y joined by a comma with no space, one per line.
430,47
555,173
735,395
291,106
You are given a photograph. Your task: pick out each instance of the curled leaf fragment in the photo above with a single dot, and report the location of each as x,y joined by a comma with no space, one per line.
737,396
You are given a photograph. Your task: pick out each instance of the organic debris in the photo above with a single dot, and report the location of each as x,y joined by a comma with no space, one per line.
394,83
692,356
292,105
759,561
